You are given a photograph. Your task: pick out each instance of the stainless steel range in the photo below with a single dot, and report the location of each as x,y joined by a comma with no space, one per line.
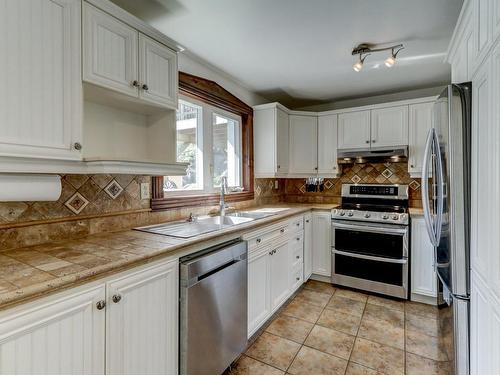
370,239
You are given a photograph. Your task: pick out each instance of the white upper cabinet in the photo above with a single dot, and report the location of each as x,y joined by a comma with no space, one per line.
420,122
40,105
110,52
389,127
327,145
158,72
303,144
270,141
482,17
354,130
118,57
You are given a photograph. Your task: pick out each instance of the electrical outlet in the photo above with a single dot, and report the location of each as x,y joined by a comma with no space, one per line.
145,191
276,185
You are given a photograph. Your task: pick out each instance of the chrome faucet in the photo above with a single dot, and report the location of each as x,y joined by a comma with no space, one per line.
223,191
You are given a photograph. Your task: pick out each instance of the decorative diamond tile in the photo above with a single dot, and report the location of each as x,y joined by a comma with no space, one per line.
76,203
355,179
113,189
380,179
303,189
271,184
387,165
414,185
258,190
387,173
328,184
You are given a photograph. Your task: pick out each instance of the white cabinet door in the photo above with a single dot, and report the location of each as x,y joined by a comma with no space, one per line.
62,335
303,144
110,54
419,125
321,253
282,142
142,322
482,25
389,127
280,275
354,130
259,284
423,277
40,103
308,246
158,72
327,145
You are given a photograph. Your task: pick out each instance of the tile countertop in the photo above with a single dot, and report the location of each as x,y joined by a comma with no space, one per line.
416,211
31,272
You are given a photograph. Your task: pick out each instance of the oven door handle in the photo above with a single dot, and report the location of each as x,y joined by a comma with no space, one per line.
369,257
369,228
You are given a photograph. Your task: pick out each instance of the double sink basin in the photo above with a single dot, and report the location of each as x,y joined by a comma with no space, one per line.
207,224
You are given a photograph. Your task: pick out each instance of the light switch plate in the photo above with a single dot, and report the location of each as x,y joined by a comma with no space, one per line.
276,184
145,191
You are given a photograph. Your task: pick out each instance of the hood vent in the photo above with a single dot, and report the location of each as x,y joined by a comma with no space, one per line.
396,155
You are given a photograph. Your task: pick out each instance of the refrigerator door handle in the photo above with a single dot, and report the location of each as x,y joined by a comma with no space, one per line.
440,191
425,187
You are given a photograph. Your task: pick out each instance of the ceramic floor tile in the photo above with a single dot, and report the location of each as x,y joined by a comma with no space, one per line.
311,361
330,341
273,350
340,321
416,365
346,305
421,309
387,302
290,328
425,346
319,286
314,298
355,369
300,309
383,358
422,324
382,332
383,313
358,296
250,366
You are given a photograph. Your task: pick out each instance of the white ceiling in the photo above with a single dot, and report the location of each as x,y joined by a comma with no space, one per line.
298,52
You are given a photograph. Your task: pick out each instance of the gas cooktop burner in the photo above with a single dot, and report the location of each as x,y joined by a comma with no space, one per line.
373,203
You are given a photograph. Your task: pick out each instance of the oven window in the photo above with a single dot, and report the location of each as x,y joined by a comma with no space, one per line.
376,244
383,272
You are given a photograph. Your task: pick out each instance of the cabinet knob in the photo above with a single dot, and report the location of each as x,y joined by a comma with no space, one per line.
307,220
77,146
116,298
258,240
297,224
316,168
374,141
135,83
298,238
145,87
298,278
282,230
367,141
279,166
298,257
411,165
100,305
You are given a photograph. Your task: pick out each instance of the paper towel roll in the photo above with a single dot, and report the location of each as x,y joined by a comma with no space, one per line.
29,187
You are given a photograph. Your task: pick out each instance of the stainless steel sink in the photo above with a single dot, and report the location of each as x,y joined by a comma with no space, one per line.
251,214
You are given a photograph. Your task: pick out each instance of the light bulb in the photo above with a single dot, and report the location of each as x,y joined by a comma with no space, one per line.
390,61
358,66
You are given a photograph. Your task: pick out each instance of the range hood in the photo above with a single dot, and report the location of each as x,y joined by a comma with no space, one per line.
370,155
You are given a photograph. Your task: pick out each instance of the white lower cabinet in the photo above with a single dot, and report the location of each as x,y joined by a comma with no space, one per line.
61,335
308,246
259,301
126,325
321,244
142,322
280,275
423,278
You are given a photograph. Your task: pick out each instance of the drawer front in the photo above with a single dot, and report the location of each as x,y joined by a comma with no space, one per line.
267,238
297,256
297,224
297,240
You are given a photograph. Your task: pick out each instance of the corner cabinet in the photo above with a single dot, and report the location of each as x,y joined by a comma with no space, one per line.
423,278
303,145
41,109
308,246
327,146
420,122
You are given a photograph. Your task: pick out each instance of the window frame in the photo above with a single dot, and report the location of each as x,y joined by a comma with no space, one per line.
200,91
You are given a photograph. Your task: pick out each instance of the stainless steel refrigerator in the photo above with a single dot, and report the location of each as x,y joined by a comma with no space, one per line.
446,188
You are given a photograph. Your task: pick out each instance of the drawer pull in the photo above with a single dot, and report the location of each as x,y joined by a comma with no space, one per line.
298,278
298,257
116,298
298,238
297,224
258,240
282,230
100,305
307,220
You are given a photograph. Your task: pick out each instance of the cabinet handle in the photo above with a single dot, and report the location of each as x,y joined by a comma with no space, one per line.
270,253
412,166
298,278
282,230
258,240
298,238
367,141
298,257
316,168
307,221
100,305
374,141
135,83
116,298
297,224
77,146
279,166
145,87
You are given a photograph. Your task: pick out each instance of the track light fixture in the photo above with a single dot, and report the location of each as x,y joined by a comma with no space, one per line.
366,49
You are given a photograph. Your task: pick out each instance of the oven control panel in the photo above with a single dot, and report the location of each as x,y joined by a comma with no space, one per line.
371,216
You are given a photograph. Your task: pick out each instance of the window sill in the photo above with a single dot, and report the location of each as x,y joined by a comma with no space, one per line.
209,199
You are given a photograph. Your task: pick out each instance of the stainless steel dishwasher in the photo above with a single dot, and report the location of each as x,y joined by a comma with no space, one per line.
213,308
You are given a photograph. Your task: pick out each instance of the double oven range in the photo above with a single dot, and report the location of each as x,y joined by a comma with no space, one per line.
370,239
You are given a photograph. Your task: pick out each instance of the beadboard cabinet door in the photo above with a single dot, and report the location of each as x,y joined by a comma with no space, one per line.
142,322
63,335
280,275
158,72
259,284
420,122
308,246
423,278
389,127
327,146
110,52
321,254
40,102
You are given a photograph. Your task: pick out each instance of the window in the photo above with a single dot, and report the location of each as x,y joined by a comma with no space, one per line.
209,139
